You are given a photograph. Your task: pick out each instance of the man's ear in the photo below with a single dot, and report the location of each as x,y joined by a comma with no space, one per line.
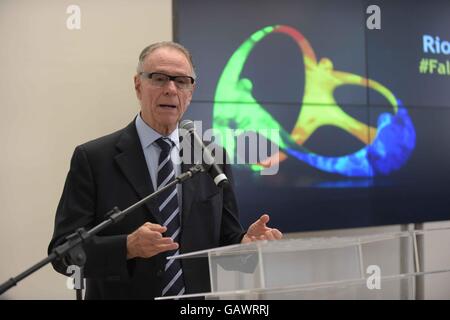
137,86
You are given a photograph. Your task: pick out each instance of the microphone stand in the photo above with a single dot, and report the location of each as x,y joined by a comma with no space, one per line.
73,244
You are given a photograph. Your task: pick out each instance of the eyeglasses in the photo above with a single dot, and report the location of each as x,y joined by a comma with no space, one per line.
160,80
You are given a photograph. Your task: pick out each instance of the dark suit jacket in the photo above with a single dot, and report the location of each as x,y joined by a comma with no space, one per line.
111,171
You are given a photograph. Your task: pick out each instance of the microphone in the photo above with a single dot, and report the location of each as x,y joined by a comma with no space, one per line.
220,179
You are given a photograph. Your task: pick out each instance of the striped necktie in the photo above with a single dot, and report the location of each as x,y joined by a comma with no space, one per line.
173,282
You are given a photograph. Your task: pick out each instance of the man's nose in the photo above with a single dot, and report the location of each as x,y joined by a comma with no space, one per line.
170,87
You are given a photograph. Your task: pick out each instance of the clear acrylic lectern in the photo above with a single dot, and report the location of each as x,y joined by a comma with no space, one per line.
382,266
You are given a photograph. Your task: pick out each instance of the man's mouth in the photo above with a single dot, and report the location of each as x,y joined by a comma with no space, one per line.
168,106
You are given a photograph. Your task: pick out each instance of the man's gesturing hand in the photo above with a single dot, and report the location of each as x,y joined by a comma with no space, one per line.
259,231
147,241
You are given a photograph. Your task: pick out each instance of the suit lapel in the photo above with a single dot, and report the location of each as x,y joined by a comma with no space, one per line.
131,162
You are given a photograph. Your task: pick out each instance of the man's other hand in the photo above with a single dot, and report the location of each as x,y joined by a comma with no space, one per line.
147,241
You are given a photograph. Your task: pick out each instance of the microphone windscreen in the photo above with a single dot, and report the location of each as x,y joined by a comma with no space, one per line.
187,125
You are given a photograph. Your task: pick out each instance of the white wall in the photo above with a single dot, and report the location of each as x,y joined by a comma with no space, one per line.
437,257
59,88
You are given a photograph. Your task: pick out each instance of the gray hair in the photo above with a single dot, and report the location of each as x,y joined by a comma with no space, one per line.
164,44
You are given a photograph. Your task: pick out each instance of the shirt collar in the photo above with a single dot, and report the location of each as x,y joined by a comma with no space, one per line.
147,135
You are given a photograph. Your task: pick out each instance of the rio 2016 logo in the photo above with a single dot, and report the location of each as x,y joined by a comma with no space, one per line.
386,148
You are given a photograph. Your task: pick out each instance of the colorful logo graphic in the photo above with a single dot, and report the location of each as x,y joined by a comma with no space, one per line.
386,148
